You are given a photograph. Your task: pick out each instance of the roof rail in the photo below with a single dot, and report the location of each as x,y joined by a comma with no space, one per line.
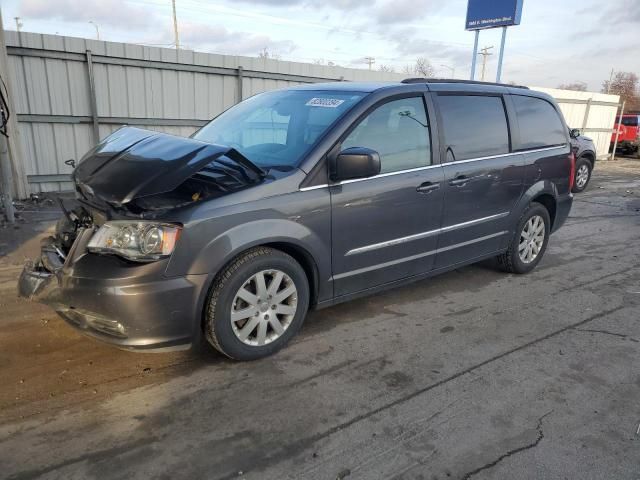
457,80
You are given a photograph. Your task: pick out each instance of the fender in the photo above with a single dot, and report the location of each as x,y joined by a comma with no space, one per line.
214,254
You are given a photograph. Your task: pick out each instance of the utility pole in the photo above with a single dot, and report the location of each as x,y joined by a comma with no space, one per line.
370,61
18,23
175,24
485,53
97,29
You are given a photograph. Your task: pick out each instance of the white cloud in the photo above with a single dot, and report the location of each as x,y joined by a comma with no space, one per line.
116,13
219,39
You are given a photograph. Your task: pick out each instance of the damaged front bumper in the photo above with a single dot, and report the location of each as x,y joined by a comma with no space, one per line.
131,306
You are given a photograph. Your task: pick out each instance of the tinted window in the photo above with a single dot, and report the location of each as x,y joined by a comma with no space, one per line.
630,121
539,122
474,126
279,127
398,131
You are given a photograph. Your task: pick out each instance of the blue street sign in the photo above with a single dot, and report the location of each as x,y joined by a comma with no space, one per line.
493,13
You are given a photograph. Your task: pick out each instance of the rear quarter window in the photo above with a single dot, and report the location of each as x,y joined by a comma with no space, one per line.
539,123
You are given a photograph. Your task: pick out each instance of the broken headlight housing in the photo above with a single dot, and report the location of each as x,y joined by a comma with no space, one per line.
137,241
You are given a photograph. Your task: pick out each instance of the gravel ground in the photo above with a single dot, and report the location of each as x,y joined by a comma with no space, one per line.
473,374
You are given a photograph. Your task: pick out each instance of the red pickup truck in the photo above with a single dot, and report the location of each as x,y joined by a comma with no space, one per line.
628,133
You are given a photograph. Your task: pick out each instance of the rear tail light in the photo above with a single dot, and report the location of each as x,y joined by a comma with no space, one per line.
572,169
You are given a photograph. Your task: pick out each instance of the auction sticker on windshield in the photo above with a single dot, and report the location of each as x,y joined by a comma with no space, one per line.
325,102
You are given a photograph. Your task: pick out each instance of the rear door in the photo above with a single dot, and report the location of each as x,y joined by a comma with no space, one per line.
385,228
483,178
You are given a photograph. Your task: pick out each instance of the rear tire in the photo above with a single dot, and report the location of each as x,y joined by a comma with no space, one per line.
583,175
256,304
529,241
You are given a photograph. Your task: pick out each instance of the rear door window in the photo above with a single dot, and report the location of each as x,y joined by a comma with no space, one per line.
539,123
474,126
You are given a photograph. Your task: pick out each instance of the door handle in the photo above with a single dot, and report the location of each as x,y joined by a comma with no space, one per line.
459,181
427,187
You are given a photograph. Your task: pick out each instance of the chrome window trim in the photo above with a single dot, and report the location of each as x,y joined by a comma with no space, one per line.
519,152
388,174
381,175
543,149
429,233
415,257
427,167
313,187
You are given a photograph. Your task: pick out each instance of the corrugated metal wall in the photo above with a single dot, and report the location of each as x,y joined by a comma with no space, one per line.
593,113
170,90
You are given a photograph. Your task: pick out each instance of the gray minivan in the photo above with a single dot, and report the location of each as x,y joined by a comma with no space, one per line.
301,198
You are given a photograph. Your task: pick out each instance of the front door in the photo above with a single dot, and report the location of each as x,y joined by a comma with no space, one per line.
385,228
483,179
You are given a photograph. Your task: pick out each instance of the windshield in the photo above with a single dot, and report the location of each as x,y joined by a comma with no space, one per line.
277,129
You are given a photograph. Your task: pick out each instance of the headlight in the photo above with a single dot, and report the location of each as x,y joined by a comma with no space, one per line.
138,241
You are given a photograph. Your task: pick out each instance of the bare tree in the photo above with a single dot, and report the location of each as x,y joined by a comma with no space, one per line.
575,86
422,68
624,84
386,68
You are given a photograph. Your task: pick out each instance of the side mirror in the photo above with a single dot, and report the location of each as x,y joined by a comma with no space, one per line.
356,162
574,132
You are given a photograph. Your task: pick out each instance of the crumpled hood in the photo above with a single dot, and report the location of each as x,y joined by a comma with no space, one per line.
133,162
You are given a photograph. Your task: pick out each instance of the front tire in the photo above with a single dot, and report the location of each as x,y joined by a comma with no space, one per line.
529,241
583,175
257,304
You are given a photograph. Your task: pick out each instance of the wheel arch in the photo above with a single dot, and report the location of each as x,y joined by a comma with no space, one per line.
306,261
590,156
543,192
548,201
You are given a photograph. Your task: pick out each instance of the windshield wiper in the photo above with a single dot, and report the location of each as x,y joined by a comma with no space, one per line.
239,158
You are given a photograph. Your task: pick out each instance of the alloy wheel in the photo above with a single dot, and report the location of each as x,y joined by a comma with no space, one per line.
582,176
531,239
264,307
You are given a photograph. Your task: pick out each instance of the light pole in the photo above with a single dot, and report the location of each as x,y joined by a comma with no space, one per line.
97,29
18,23
175,25
452,69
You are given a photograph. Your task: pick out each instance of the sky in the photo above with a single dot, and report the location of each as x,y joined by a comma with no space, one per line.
558,41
